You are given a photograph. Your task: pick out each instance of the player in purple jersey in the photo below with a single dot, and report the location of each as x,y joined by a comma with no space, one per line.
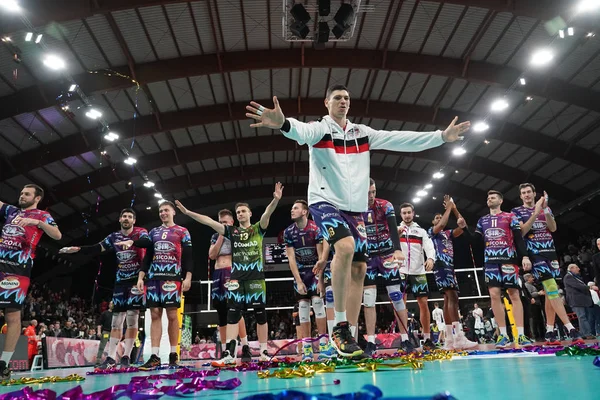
537,226
220,250
22,228
445,278
503,247
168,261
129,246
384,253
304,245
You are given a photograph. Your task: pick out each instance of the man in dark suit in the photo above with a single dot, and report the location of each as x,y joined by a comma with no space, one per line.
579,298
596,263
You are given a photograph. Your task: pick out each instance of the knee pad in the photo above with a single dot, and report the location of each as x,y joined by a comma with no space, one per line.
329,297
396,297
117,320
261,315
222,313
318,307
551,288
304,311
234,315
132,318
369,297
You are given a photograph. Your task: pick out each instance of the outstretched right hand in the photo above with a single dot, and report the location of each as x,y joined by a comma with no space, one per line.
69,250
267,117
181,207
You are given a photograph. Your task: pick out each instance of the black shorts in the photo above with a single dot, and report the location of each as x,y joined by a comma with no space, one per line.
13,290
502,275
163,294
418,285
128,297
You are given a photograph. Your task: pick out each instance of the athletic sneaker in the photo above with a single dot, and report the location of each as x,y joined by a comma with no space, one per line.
152,364
503,341
551,339
343,341
4,371
523,340
264,356
246,354
428,345
125,362
326,351
462,343
370,349
576,337
307,353
108,363
225,361
407,347
173,360
448,344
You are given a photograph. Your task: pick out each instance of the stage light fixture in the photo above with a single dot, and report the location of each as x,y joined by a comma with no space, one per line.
541,58
72,88
111,136
93,114
438,175
130,161
149,184
158,195
459,151
39,38
499,105
343,18
324,7
480,127
416,200
428,186
422,193
28,36
523,81
54,62
10,5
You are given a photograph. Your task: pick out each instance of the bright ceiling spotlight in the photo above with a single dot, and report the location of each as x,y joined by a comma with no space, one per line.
438,175
459,151
130,161
480,127
499,105
541,58
54,62
149,184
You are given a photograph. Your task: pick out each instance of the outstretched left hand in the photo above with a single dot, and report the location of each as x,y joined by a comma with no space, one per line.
453,132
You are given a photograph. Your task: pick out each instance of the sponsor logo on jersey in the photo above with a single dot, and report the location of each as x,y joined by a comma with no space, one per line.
10,283
421,278
538,225
163,246
256,286
232,285
361,230
169,286
249,244
135,291
13,230
508,269
554,264
125,256
494,233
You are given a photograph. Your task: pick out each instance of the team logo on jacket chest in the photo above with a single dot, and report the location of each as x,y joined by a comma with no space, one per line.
352,133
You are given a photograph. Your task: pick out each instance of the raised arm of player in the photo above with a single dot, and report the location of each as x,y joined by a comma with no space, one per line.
203,219
264,219
526,227
449,204
550,221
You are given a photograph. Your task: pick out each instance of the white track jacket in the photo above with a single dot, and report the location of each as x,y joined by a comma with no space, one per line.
413,241
340,161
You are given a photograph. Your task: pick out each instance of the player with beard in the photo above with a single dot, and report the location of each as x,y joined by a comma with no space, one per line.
537,225
22,229
304,245
167,261
384,254
503,246
247,287
445,278
129,245
220,251
337,189
414,241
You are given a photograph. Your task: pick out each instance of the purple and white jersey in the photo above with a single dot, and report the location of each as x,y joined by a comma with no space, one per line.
498,234
442,243
168,245
378,231
304,242
129,262
539,239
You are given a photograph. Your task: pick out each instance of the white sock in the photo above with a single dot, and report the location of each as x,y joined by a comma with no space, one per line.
112,347
457,327
371,339
155,351
173,349
128,346
404,336
353,331
340,317
6,356
449,332
520,330
549,328
426,336
244,340
323,341
503,331
569,326
330,325
263,348
223,346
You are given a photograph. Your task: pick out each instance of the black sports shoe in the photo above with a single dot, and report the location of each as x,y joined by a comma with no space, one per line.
551,339
152,364
108,363
576,337
173,360
370,349
4,371
407,347
428,345
344,342
125,362
246,354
